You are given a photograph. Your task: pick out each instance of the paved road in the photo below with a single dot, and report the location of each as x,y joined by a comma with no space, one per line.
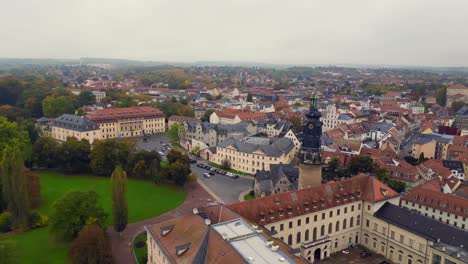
225,187
406,149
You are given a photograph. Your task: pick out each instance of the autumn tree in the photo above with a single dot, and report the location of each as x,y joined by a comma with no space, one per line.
73,211
119,199
33,186
90,247
441,96
207,114
14,186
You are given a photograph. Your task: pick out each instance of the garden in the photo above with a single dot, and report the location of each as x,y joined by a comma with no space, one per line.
145,200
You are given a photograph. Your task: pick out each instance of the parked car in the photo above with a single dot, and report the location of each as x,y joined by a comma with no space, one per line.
365,254
211,173
206,175
223,172
200,165
212,169
345,251
208,167
161,153
229,174
193,161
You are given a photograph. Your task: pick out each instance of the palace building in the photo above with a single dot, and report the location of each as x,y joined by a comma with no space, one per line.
68,125
129,121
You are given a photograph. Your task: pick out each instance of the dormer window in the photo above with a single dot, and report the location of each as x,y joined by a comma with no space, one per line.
262,217
166,229
358,194
315,204
306,206
272,215
281,212
322,202
277,201
289,210
182,248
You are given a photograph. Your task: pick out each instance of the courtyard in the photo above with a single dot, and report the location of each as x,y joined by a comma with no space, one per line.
353,257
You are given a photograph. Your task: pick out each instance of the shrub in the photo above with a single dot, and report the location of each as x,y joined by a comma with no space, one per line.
192,178
225,165
5,222
37,220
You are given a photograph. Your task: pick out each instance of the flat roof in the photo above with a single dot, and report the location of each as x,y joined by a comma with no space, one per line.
248,243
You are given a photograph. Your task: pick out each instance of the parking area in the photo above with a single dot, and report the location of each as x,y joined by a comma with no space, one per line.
154,142
353,257
227,188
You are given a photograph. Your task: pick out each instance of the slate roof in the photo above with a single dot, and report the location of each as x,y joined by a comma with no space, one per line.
463,111
377,126
76,123
422,225
276,147
268,179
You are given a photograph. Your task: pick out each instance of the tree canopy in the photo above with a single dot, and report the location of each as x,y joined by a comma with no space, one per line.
73,211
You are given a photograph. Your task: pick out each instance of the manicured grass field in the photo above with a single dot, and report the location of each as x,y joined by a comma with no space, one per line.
145,200
141,252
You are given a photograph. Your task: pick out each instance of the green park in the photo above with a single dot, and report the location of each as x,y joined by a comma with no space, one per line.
145,200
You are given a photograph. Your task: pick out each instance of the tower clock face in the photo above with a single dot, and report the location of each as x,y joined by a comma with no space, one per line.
311,125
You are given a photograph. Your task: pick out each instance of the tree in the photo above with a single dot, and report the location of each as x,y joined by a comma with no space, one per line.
332,169
421,158
73,211
457,105
249,97
108,153
140,162
14,186
8,254
207,114
119,199
175,155
186,110
33,186
178,172
86,98
441,96
195,150
74,155
155,172
54,106
173,132
45,152
361,164
11,134
226,165
90,247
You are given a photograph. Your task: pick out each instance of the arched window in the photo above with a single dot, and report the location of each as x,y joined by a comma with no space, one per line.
290,240
298,237
351,222
306,238
344,224
314,234
330,227
358,221
322,230
337,226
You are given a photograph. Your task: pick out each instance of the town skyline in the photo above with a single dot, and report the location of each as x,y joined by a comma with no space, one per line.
426,33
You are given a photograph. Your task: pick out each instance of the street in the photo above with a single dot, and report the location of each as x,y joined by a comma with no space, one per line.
228,189
225,187
406,148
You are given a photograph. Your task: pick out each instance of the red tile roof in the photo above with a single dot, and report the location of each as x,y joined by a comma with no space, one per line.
116,113
242,114
176,118
305,201
429,194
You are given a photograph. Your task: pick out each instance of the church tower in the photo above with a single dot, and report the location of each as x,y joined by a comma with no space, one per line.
310,154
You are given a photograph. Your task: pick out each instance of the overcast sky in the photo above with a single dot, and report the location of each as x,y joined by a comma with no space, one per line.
393,32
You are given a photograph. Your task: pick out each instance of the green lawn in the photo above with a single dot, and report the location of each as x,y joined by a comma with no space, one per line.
248,197
145,200
141,252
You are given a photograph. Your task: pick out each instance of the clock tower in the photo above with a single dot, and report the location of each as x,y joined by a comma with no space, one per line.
310,154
